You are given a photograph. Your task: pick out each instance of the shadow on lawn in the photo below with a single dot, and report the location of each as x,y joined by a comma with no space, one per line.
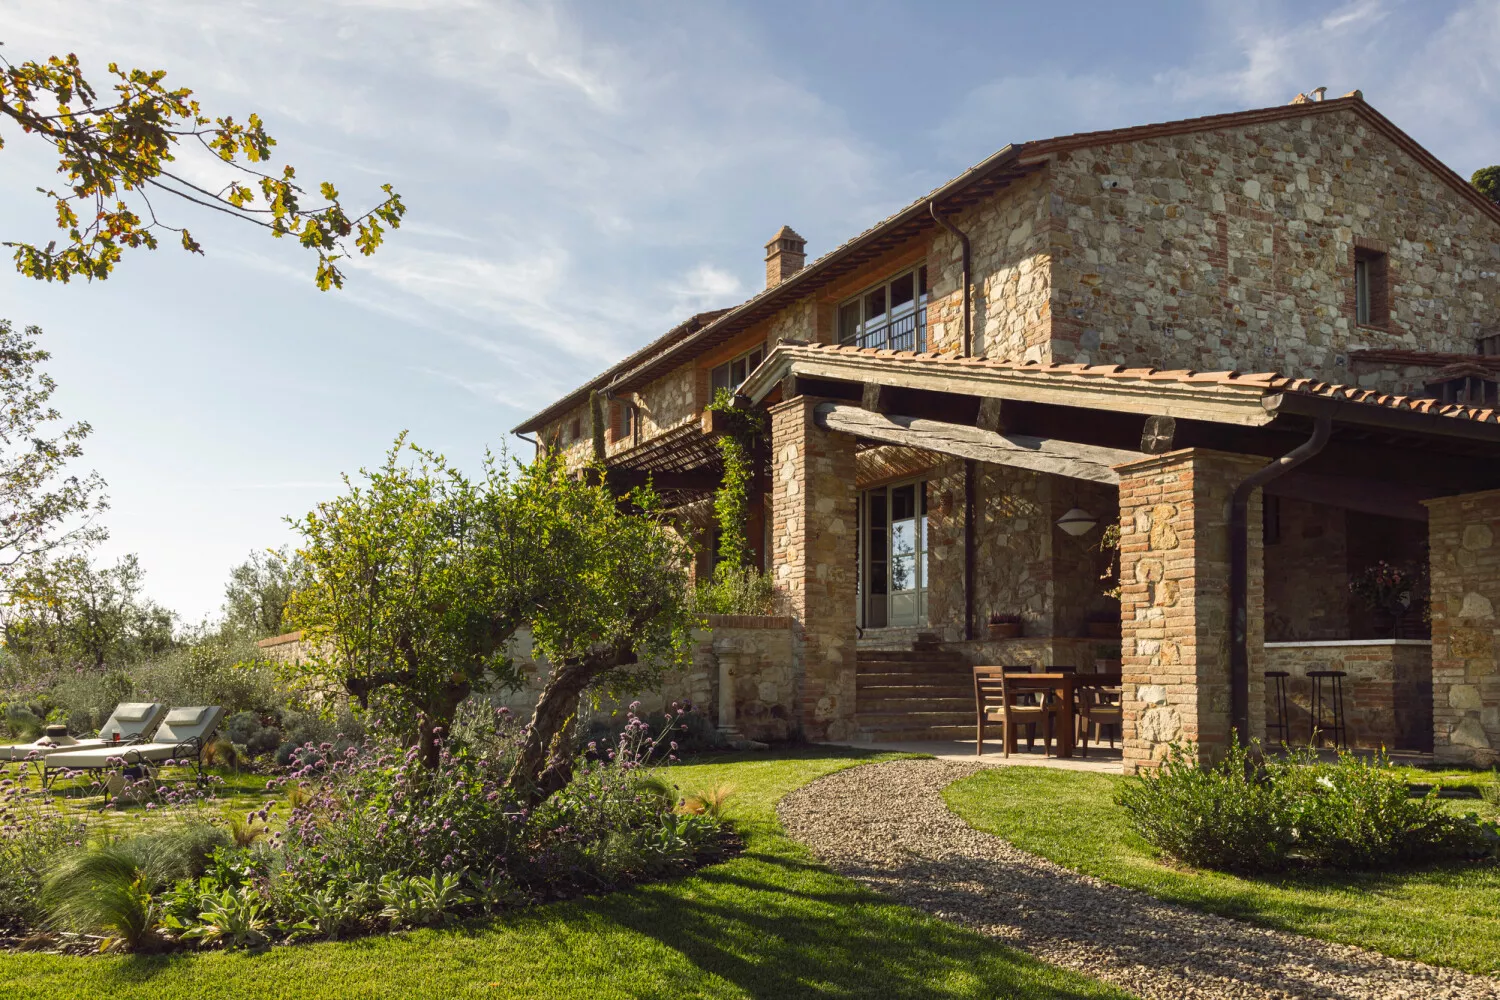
778,926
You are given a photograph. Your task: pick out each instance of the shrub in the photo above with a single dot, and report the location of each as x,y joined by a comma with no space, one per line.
1228,817
738,591
1247,816
33,835
1358,813
22,723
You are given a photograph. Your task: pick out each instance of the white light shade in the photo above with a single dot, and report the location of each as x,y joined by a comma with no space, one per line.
1077,521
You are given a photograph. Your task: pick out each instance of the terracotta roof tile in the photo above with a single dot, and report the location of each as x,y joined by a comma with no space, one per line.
1268,382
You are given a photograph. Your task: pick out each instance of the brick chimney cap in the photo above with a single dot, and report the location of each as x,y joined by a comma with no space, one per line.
785,233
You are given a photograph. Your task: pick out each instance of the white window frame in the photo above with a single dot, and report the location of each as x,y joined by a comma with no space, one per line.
756,354
922,555
868,331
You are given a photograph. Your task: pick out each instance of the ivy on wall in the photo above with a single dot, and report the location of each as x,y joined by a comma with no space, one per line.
732,499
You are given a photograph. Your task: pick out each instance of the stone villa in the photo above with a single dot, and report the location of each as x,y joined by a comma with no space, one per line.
1264,344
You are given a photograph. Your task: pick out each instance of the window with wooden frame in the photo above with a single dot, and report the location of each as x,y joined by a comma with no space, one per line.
622,419
890,316
1371,287
732,374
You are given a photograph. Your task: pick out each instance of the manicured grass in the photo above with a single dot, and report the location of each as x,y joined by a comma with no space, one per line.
1446,915
768,924
233,793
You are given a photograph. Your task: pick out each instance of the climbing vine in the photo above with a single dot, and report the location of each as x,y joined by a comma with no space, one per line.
732,499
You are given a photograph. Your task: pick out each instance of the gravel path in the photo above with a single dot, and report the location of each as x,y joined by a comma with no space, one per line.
886,825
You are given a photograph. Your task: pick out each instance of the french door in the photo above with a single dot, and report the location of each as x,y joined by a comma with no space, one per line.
892,544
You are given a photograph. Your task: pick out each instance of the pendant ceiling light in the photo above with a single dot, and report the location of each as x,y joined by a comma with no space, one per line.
1077,521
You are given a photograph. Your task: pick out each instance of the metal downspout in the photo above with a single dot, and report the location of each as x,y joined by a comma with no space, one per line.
531,441
970,466
1239,570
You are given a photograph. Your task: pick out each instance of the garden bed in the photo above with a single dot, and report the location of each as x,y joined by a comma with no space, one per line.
767,923
1443,914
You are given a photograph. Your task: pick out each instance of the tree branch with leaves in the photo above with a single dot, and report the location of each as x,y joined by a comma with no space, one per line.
119,151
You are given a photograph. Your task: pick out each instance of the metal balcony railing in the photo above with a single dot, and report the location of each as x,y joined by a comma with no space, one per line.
900,332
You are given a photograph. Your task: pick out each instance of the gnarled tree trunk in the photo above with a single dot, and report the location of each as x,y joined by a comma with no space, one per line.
546,761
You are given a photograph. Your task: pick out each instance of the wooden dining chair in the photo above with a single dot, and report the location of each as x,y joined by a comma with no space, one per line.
1097,708
1026,703
1002,697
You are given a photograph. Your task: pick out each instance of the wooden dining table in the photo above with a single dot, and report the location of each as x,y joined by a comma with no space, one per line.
1065,685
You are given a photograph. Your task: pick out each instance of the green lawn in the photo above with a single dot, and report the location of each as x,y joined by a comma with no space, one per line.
1446,916
768,924
82,797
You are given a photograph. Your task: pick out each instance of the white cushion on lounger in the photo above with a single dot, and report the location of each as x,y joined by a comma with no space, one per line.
134,711
186,716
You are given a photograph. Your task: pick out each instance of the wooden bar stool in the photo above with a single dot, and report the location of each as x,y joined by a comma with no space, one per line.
1278,698
1333,725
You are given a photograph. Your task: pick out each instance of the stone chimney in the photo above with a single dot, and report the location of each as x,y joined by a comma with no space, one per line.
785,255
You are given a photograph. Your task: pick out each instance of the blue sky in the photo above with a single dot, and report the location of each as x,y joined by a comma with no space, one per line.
579,177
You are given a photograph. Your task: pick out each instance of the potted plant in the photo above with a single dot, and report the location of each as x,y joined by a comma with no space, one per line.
1392,592
1004,626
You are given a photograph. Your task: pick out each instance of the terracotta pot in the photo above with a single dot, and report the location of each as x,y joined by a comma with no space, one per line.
1005,630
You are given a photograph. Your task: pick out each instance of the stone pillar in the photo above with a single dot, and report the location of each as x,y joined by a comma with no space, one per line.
813,558
1174,602
727,652
1465,563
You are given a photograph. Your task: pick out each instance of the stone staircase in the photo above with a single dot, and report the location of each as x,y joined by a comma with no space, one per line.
913,694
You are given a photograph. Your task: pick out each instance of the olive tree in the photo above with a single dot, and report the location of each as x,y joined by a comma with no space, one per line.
421,578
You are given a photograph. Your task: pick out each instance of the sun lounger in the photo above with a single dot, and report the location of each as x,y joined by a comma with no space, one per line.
182,736
130,722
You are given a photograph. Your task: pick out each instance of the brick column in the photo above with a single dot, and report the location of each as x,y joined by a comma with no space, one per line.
1174,602
1465,564
813,559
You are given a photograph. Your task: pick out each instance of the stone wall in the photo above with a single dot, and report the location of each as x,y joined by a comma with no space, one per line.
754,654
1174,604
1465,563
1307,589
674,399
813,518
1387,695
1024,564
1008,237
1234,249
1082,654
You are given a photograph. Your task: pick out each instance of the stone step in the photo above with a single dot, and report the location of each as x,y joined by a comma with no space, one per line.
937,671
900,703
919,734
892,720
908,655
912,689
910,680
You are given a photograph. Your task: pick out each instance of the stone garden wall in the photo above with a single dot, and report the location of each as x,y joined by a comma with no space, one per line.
755,654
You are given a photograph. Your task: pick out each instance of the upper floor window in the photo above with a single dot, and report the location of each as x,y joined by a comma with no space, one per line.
1371,296
622,413
1488,346
732,374
891,316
